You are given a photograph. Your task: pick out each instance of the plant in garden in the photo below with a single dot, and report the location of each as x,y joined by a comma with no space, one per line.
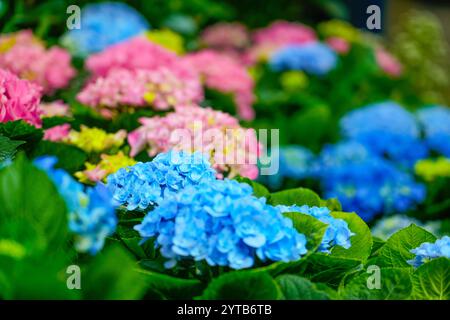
146,184
213,133
91,212
103,25
27,57
95,139
221,222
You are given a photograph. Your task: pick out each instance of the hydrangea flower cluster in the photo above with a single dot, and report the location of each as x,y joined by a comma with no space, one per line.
387,226
55,109
276,36
91,212
108,164
230,147
19,99
387,129
160,89
167,39
95,140
340,29
337,234
432,169
435,121
428,251
225,35
366,183
221,222
27,57
224,74
57,133
102,25
314,58
146,184
388,63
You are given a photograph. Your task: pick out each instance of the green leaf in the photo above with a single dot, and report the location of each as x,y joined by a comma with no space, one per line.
361,241
396,251
431,281
8,147
327,269
112,275
32,210
333,204
170,287
55,121
311,227
69,157
395,284
20,130
377,244
258,189
242,285
298,196
298,288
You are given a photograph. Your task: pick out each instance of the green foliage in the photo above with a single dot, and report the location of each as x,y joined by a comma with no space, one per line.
431,281
298,196
298,288
21,131
8,148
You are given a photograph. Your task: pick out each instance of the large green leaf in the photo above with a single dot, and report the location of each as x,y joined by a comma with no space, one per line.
32,210
22,131
112,275
431,281
361,242
297,288
298,196
312,228
242,285
258,189
396,251
169,287
395,284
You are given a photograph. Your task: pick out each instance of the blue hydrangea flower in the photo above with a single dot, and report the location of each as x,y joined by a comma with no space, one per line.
102,25
145,184
91,212
315,58
337,234
387,226
366,183
435,121
220,221
428,251
295,162
387,129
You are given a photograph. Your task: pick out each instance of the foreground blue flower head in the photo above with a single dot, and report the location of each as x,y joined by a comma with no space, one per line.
337,234
221,222
366,183
91,212
428,251
387,129
435,121
145,184
102,25
315,58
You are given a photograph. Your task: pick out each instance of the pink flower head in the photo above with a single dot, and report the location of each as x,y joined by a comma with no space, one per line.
55,109
230,147
388,63
19,99
224,74
27,57
226,36
277,35
340,45
159,88
57,133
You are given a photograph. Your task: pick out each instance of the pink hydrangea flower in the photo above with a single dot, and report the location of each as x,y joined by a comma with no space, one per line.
388,63
27,57
340,45
231,148
225,35
55,109
159,88
223,74
19,99
276,35
57,133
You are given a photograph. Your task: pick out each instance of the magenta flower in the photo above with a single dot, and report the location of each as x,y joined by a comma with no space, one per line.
19,99
57,133
388,63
